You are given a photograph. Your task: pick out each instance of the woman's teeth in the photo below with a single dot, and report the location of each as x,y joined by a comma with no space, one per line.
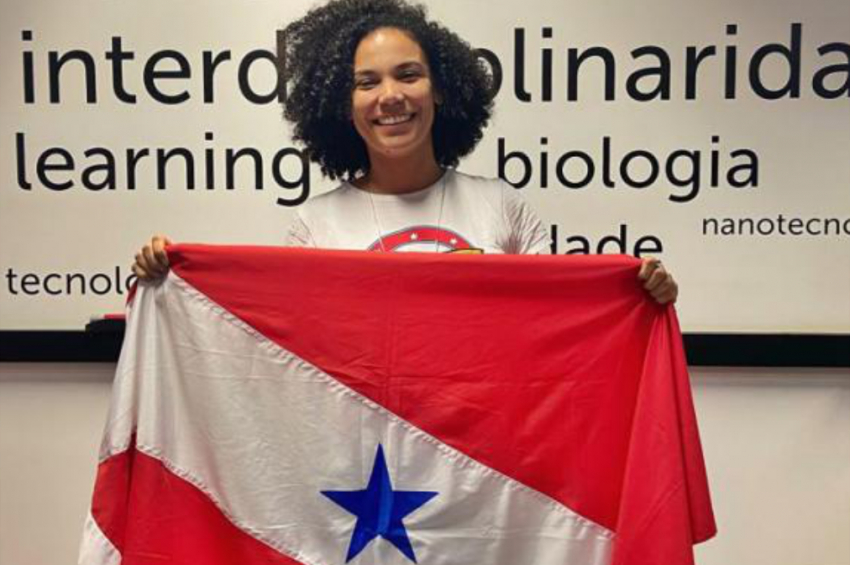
393,120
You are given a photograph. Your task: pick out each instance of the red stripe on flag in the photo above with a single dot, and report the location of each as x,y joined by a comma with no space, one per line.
153,517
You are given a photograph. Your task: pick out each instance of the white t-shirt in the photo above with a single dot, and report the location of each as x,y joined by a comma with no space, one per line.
459,212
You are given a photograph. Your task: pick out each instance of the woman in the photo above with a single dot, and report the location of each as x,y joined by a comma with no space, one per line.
390,102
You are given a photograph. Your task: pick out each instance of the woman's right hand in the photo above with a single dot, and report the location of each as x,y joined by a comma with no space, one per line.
152,260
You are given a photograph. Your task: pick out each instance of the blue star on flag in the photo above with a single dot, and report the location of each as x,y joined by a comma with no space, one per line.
379,510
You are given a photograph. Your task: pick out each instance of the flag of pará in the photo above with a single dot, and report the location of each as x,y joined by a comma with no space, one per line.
291,406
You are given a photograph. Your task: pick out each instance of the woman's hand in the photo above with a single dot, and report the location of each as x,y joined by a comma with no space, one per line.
657,281
152,260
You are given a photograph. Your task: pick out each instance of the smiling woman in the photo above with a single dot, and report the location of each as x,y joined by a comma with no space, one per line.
389,102
348,54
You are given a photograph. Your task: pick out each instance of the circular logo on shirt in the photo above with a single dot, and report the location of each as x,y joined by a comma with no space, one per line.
425,239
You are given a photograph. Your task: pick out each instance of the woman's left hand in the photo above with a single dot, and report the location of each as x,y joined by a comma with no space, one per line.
657,281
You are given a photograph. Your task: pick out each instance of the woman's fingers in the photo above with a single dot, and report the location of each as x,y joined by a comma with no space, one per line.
152,259
657,281
158,244
648,265
151,263
651,272
666,292
659,278
142,268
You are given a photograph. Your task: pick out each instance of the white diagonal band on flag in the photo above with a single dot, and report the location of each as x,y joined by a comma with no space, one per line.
263,433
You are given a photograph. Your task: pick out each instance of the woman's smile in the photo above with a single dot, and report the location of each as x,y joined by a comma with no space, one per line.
394,120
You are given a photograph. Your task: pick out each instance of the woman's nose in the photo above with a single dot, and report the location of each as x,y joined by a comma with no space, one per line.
391,93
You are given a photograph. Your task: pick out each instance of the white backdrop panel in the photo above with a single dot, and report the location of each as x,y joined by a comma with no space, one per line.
771,255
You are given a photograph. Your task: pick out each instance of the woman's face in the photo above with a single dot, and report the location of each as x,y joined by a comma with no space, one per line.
393,98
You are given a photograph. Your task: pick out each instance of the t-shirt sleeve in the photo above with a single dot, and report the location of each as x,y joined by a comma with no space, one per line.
526,233
299,234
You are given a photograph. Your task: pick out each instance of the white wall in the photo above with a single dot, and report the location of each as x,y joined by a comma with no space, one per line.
51,421
777,444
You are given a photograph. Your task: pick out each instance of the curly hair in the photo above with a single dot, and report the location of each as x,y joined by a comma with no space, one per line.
319,63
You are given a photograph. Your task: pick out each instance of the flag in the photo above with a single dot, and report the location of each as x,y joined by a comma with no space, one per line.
292,406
